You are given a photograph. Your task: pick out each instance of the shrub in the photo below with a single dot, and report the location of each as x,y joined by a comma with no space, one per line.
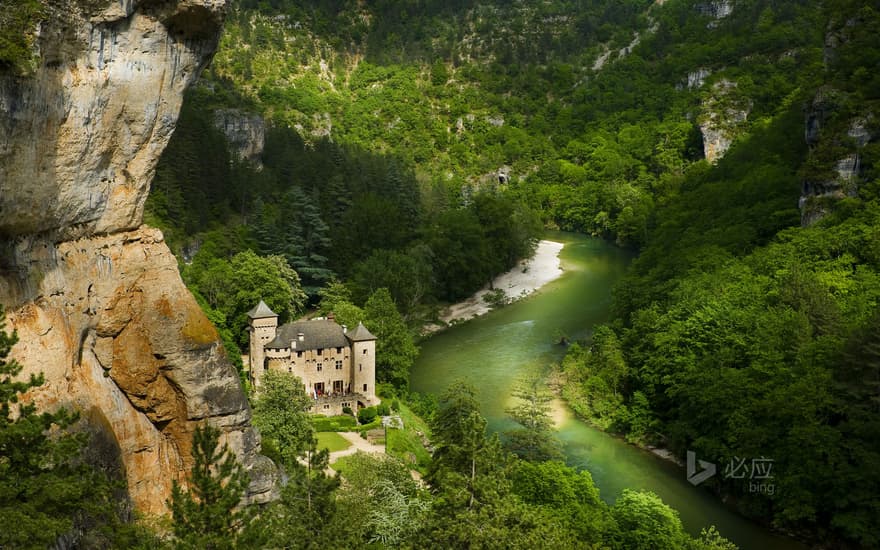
423,404
395,405
341,423
367,415
347,410
386,390
496,298
383,409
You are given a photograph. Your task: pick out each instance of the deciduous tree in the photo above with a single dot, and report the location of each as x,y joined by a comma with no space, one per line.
395,350
281,413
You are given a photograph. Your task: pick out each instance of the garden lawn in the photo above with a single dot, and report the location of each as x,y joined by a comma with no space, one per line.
332,441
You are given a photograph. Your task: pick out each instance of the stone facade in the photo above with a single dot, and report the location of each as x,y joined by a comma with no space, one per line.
337,366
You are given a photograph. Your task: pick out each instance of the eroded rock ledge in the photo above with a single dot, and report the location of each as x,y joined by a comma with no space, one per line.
97,298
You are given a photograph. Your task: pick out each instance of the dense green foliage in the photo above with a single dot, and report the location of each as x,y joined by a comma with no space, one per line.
395,347
233,287
395,350
18,28
486,498
328,210
444,94
280,410
741,335
432,136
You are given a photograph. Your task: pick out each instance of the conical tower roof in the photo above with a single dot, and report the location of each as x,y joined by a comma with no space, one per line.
261,311
360,334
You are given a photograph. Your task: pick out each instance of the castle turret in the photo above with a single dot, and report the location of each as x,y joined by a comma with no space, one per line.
262,324
363,358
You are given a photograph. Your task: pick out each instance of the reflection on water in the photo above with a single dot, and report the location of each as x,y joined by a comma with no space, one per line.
493,351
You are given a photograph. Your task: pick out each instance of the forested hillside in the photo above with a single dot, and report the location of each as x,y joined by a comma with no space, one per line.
741,334
419,146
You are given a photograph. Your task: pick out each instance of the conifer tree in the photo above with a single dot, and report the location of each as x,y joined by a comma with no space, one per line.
306,239
535,440
208,515
306,515
263,228
467,463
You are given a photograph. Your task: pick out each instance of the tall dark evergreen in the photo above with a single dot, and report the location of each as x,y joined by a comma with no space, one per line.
306,239
263,225
307,515
466,458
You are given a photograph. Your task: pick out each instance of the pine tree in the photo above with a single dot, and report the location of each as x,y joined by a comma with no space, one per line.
467,465
209,515
306,515
263,228
337,200
306,239
535,440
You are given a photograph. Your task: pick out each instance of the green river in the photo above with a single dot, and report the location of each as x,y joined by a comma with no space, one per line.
494,350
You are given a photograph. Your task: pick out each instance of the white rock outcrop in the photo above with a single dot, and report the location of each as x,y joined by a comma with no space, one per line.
722,119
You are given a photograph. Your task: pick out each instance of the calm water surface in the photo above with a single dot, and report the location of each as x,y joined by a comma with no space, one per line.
493,351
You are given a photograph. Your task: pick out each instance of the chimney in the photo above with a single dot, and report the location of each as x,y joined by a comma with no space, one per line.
293,344
301,337
344,329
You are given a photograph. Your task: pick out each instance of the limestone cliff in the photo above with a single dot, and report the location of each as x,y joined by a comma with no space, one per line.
96,298
723,117
245,132
836,141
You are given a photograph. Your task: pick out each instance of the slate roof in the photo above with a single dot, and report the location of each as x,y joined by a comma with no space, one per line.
261,311
317,334
360,334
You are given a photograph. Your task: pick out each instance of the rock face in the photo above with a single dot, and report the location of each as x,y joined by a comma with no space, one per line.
82,135
695,79
722,118
820,191
245,133
717,9
96,298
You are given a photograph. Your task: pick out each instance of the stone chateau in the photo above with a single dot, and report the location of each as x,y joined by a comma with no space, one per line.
337,366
